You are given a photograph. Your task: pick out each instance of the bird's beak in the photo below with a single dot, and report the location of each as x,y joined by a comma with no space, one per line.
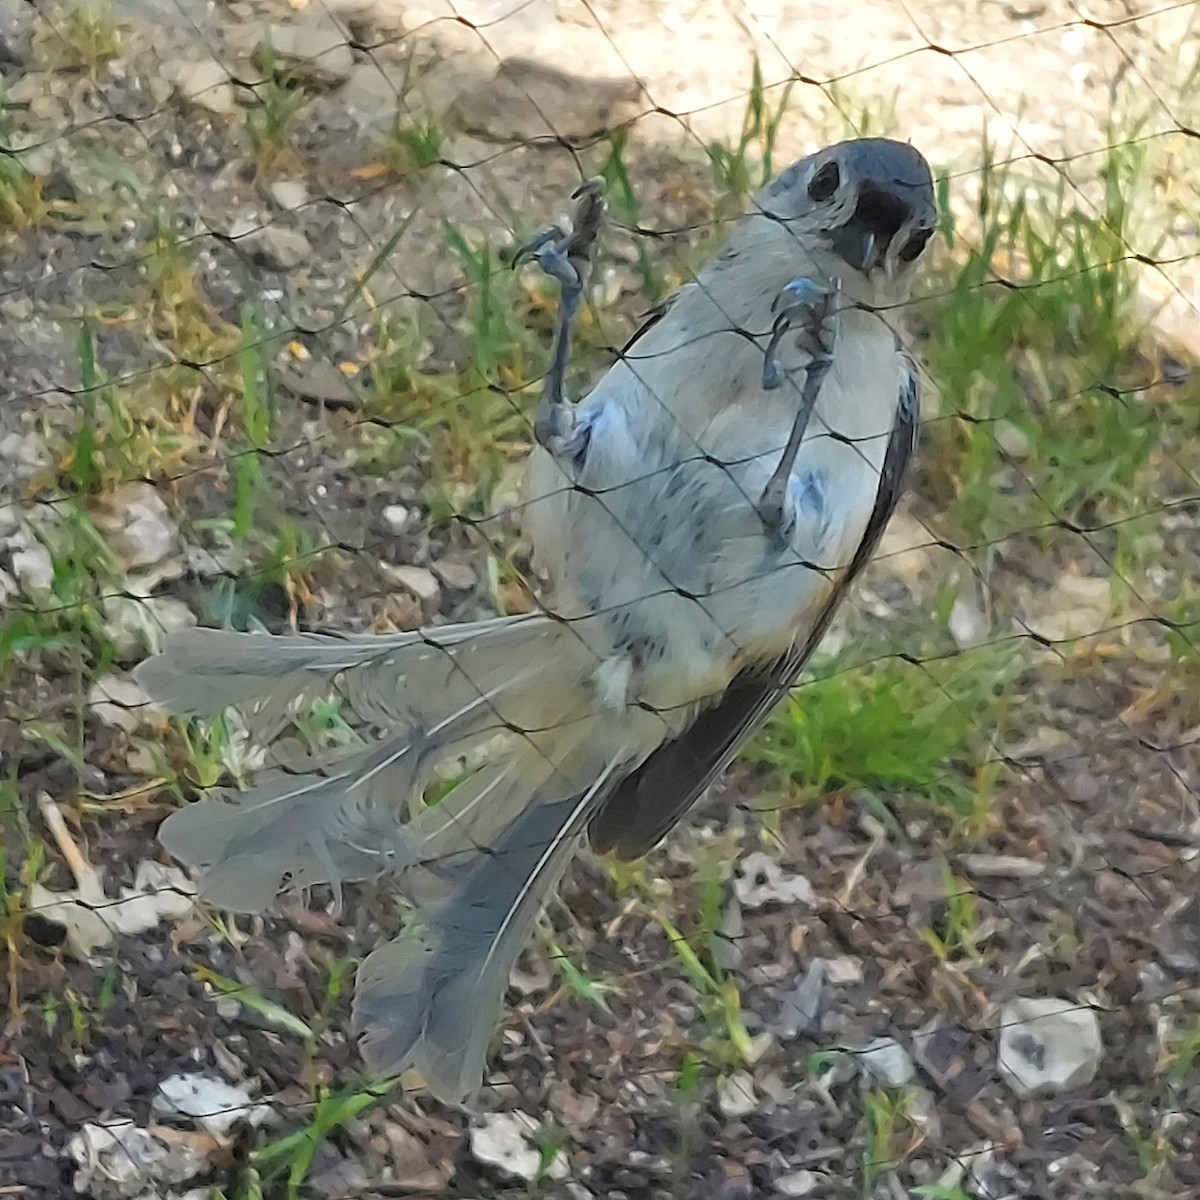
855,245
881,215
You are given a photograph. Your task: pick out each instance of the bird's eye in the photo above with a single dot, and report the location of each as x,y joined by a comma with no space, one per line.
915,244
825,182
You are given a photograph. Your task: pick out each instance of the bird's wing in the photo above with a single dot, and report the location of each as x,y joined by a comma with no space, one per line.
647,803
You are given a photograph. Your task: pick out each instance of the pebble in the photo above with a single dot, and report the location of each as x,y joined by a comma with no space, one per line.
204,83
736,1096
279,249
419,581
887,1062
315,48
502,1140
1048,1044
759,880
289,194
141,531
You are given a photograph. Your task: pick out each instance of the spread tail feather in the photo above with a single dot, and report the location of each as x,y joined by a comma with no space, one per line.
453,702
486,755
431,999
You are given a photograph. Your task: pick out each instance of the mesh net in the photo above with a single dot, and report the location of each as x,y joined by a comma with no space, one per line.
264,364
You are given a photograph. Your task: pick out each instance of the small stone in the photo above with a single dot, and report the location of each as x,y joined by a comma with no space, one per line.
278,249
1048,1044
801,1011
843,971
968,625
887,1062
797,1183
32,566
118,702
289,194
395,517
134,624
315,49
419,582
736,1096
205,83
457,575
28,451
1001,866
141,532
1012,440
759,880
215,1105
502,1140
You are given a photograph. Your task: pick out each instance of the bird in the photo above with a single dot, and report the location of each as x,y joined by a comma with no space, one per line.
696,520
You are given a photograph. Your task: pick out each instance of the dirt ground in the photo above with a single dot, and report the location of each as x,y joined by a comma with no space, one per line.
1083,880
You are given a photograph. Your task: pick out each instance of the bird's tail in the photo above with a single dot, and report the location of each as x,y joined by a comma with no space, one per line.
488,756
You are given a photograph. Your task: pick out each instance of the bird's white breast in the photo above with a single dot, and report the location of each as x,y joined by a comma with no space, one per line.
654,545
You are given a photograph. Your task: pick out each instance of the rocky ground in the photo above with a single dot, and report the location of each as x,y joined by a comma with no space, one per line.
259,353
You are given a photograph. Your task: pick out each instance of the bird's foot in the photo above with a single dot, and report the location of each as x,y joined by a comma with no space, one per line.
565,256
804,306
807,309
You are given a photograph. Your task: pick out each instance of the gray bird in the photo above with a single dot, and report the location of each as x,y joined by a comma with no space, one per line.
699,516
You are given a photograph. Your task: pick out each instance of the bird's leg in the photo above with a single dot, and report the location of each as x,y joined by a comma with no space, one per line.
565,257
804,307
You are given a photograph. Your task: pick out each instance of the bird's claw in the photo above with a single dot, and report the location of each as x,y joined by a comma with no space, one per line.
804,306
565,257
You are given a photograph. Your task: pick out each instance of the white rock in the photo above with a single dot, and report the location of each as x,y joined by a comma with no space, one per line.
1012,440
121,1159
279,249
213,1104
289,193
316,48
141,532
32,565
844,971
759,880
203,82
501,1140
968,625
395,517
25,450
118,702
736,1096
420,581
887,1062
798,1183
134,624
1048,1044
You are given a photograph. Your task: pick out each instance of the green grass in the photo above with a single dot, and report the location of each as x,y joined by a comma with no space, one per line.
21,201
740,169
888,1134
893,730
1037,330
1049,352
280,98
87,36
412,147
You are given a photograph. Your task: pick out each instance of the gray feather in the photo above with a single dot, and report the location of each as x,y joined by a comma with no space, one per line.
431,999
